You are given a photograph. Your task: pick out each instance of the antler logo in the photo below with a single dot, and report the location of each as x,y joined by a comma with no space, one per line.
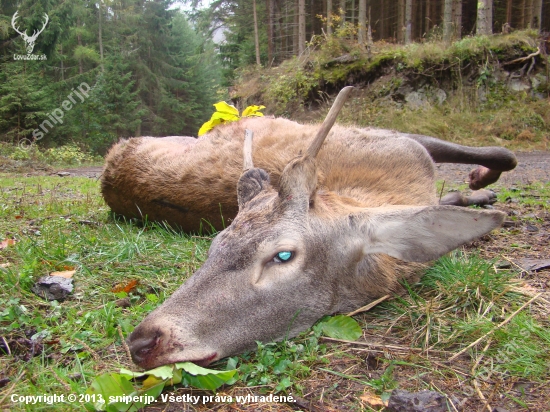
30,40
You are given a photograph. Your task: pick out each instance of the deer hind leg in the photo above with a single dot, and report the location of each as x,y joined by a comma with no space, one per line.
492,161
481,197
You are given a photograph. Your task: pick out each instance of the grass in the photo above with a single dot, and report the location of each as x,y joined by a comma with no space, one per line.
124,270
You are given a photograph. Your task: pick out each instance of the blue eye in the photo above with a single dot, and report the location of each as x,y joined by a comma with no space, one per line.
283,257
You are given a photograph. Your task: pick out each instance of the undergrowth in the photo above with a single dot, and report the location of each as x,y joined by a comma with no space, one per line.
464,97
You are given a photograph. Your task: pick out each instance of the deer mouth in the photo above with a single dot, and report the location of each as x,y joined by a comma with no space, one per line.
205,361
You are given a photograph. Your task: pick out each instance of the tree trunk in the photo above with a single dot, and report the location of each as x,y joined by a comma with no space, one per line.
100,37
447,21
457,18
329,17
61,61
529,13
509,12
400,21
382,33
301,26
295,38
522,22
256,35
428,19
537,14
408,21
269,9
361,34
79,41
342,11
369,35
484,17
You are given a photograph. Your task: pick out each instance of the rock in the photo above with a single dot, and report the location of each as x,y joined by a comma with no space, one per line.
53,287
416,100
63,174
423,401
440,96
517,85
503,264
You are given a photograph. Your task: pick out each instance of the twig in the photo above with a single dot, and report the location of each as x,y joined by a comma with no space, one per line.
441,191
369,306
123,342
65,385
7,345
12,387
481,396
201,237
379,345
501,324
88,349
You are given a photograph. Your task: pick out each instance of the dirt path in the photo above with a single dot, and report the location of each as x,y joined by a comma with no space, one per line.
532,166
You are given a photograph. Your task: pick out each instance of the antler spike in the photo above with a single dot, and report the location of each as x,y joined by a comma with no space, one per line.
315,146
247,150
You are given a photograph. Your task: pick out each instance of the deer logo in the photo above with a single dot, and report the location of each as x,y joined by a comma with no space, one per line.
30,40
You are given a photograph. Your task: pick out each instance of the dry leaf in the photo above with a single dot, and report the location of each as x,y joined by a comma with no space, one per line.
125,287
8,242
5,265
373,400
64,274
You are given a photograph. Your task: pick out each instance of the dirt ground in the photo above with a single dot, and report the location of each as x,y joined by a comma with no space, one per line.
532,166
525,242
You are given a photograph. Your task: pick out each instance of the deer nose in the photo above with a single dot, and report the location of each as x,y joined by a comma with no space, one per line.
141,345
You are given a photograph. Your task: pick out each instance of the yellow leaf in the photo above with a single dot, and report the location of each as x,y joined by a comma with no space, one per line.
225,117
209,125
253,111
64,274
151,381
223,107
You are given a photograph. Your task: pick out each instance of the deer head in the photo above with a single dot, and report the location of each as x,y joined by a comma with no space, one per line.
30,40
291,256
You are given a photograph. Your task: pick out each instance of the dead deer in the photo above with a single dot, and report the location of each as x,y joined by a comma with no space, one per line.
318,227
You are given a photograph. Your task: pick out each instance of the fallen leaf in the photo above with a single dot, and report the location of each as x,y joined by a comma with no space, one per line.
373,400
5,265
8,242
19,217
532,265
64,274
128,287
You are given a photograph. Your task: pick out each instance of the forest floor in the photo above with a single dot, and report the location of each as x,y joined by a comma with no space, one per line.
346,376
528,246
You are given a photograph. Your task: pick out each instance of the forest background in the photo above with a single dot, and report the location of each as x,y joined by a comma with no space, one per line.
153,67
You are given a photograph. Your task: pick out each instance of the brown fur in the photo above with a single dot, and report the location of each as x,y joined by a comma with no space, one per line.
192,183
358,219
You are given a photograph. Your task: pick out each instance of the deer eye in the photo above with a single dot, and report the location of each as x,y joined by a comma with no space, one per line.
283,257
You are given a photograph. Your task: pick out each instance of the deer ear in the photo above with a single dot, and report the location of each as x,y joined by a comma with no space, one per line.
250,184
298,182
421,234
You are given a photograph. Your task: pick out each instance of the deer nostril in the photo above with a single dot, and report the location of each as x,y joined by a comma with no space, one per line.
140,347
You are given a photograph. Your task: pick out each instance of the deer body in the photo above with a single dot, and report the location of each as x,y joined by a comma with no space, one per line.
312,232
194,183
